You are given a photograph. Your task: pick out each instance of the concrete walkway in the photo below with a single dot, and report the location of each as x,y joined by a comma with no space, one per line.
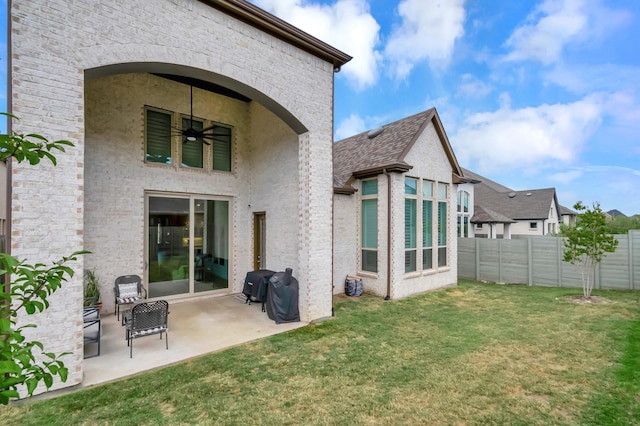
196,327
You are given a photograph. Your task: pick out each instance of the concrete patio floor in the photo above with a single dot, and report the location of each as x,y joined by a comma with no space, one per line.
196,327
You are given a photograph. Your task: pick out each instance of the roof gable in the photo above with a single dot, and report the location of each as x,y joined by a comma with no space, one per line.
370,153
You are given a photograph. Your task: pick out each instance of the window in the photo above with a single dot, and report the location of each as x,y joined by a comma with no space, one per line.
221,148
370,225
410,225
427,224
533,225
192,151
443,190
158,136
212,153
463,214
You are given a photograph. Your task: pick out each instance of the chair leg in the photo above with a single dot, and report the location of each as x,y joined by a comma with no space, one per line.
166,340
131,349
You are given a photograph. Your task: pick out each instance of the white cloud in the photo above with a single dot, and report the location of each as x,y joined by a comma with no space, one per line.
345,24
555,24
472,87
428,31
350,126
515,139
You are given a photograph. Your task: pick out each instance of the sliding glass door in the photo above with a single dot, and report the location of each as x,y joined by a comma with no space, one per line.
188,245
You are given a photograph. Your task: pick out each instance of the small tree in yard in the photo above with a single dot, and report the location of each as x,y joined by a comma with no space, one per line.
587,243
31,286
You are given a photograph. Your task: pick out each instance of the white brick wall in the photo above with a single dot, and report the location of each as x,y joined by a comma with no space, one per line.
54,43
429,161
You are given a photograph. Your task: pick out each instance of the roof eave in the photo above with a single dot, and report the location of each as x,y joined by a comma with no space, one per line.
390,168
264,21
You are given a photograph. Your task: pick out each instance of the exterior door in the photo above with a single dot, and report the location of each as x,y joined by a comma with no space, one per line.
188,245
259,240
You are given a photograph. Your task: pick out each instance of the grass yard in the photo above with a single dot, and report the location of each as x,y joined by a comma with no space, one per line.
475,354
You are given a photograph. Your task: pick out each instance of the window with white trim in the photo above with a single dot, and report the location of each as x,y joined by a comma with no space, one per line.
443,192
463,214
427,225
410,224
369,213
427,200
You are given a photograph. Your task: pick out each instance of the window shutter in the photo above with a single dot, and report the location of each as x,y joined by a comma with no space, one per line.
222,149
427,223
192,150
370,224
409,223
158,137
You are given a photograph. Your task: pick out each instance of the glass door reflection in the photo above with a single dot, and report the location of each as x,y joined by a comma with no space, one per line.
211,245
188,245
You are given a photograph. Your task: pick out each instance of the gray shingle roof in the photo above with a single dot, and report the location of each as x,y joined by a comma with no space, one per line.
358,154
494,202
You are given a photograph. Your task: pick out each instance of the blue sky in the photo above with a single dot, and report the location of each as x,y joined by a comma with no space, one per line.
532,94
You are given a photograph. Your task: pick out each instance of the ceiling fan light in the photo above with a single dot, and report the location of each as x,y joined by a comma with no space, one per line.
191,138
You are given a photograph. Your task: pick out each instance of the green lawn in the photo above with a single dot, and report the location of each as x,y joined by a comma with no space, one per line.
475,354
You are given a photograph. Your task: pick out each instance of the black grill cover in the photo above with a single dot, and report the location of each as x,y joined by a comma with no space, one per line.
282,298
255,285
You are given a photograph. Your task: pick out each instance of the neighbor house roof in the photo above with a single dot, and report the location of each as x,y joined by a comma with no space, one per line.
384,149
493,202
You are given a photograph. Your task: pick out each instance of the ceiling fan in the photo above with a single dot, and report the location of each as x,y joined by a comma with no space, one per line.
191,134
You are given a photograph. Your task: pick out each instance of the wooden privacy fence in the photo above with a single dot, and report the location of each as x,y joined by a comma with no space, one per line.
538,261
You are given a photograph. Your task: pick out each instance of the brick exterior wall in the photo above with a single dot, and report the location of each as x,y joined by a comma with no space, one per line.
429,161
94,198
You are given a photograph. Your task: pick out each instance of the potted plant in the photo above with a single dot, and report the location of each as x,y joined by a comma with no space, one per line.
91,289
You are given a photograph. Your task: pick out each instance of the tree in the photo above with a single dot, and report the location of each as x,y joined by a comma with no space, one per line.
587,242
31,286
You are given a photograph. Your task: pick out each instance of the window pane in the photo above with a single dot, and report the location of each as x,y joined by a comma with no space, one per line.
370,260
158,137
465,228
370,224
427,223
221,145
442,223
427,188
369,187
427,258
409,223
192,150
409,261
442,191
442,257
465,202
410,186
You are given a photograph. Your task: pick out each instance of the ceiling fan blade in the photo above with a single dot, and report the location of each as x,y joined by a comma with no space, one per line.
213,126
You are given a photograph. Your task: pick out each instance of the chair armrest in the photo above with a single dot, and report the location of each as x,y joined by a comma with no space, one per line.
144,291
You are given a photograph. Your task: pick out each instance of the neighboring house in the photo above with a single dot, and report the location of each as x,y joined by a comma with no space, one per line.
395,207
130,84
500,212
568,216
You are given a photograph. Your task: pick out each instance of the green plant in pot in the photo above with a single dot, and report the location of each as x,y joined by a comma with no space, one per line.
91,289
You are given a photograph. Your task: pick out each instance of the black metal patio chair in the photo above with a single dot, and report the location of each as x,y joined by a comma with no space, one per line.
128,289
147,318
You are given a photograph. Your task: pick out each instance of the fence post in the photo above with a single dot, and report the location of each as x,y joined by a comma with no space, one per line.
630,247
530,259
500,261
560,255
477,256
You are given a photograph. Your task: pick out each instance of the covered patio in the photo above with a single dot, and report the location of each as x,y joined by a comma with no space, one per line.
196,327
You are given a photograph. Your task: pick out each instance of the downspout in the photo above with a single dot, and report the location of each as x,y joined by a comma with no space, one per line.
388,296
8,193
